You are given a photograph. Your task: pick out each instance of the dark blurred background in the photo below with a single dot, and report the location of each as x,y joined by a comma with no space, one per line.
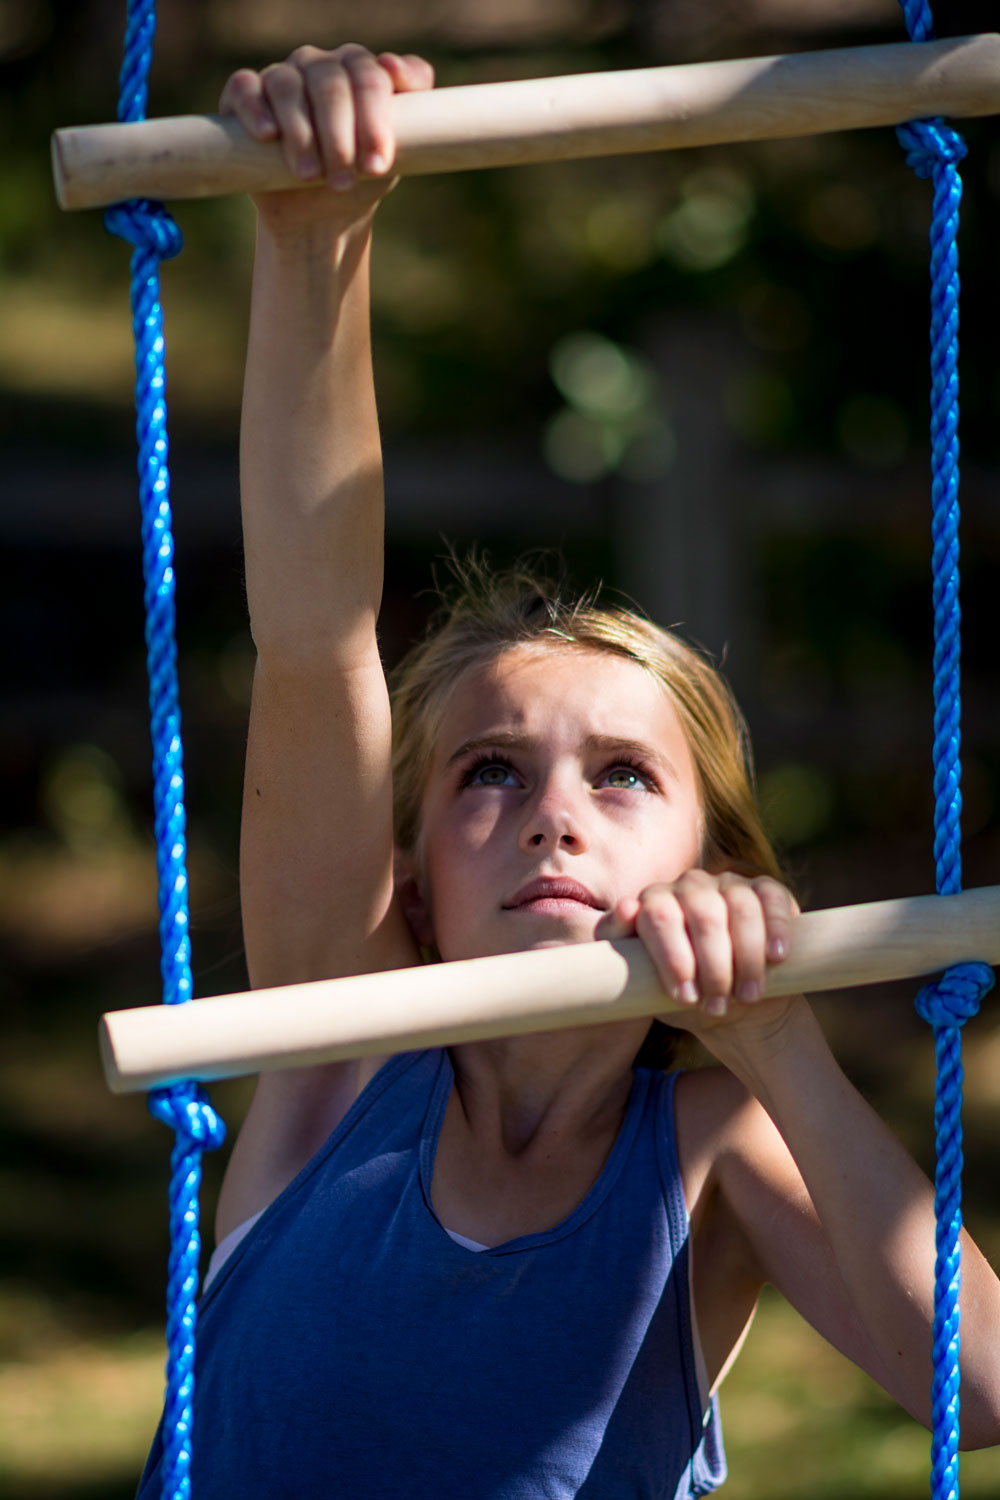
701,377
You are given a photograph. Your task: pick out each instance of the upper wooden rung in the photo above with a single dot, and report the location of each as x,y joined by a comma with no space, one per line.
555,119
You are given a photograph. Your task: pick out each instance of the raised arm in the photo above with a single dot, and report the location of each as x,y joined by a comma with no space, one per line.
317,845
317,841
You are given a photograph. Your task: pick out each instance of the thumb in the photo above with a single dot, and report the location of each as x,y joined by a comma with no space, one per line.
619,922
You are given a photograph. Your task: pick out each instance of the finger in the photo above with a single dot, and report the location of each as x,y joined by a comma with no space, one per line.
661,925
619,922
409,73
285,92
781,911
706,913
748,938
375,141
330,97
243,96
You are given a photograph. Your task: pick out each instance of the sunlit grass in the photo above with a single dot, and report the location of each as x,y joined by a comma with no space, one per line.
57,341
82,1413
800,1420
75,1414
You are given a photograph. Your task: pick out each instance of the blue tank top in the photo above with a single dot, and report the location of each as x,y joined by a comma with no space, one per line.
350,1350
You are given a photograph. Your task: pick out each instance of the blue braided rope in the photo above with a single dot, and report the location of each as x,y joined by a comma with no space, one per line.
183,1106
933,150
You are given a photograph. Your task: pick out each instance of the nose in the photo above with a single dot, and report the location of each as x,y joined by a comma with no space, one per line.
554,819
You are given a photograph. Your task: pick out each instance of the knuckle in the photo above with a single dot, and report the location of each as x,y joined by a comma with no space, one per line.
281,82
326,76
707,920
305,54
744,904
244,81
662,929
368,74
659,927
770,889
658,906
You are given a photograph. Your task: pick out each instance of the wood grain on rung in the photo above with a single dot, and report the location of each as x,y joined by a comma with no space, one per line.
553,119
515,993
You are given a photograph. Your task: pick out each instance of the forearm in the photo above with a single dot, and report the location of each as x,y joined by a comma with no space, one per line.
876,1209
311,472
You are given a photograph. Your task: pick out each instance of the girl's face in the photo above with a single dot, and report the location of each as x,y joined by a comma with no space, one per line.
561,782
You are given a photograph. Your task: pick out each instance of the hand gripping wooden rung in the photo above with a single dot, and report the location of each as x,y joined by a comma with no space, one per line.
555,119
544,990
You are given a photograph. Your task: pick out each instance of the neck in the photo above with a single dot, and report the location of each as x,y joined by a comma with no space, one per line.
518,1092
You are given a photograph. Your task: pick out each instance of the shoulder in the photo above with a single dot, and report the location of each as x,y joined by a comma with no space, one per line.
718,1114
735,1164
712,1111
728,1147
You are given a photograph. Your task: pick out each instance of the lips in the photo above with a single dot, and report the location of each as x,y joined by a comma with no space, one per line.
551,888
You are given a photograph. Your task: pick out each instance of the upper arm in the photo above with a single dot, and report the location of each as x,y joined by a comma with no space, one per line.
317,840
754,1222
316,882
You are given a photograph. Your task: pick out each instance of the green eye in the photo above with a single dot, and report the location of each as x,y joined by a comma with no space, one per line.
490,773
493,775
624,777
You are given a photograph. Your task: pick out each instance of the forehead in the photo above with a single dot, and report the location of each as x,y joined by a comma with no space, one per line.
556,692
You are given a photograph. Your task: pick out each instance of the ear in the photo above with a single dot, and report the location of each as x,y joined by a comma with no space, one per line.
411,899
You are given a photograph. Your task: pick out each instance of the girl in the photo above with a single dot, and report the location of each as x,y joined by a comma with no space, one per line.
513,1269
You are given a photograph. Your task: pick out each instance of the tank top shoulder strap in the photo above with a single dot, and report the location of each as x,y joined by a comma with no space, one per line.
663,1134
392,1105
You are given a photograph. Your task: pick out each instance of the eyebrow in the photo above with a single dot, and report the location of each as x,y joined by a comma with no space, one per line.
608,744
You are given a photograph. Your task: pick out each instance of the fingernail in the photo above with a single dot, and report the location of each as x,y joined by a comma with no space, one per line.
687,992
777,949
342,182
715,1005
750,991
266,125
375,163
308,165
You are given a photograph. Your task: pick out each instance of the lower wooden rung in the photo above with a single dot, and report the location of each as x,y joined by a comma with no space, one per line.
549,989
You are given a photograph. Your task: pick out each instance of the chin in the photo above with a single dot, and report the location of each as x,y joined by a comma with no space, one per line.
563,942
556,934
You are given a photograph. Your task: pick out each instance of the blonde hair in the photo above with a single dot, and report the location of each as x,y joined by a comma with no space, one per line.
487,612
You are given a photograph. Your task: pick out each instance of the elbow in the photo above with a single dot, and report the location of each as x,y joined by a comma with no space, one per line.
972,1443
979,1416
983,1431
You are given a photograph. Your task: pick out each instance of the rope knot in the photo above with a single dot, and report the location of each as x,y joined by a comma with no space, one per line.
930,143
185,1107
955,997
146,225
